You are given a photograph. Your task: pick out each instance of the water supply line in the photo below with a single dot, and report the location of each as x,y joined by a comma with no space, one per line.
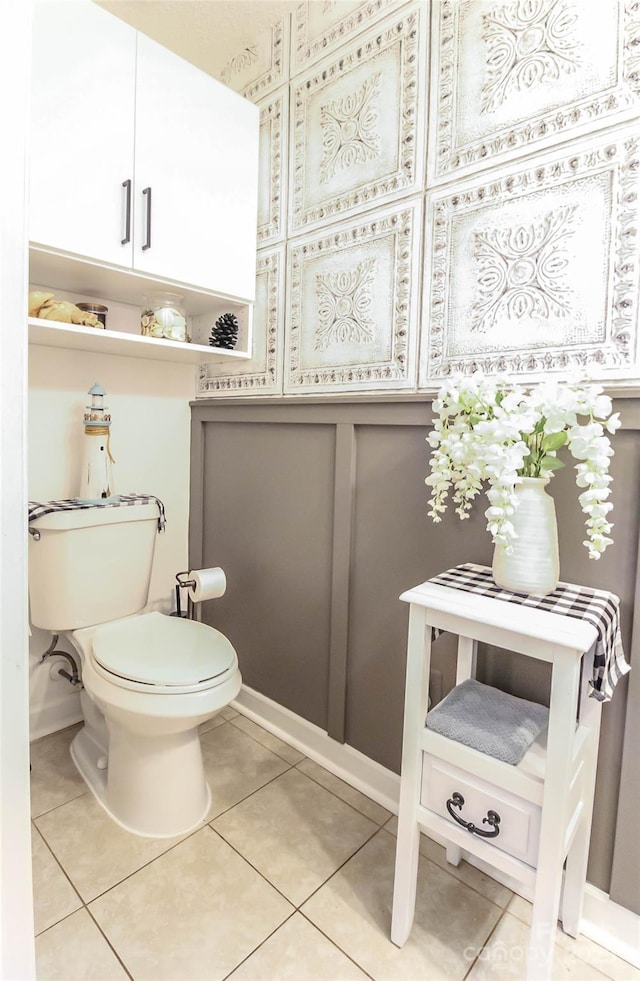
73,677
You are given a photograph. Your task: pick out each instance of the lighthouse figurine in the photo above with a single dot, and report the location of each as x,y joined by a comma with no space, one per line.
96,480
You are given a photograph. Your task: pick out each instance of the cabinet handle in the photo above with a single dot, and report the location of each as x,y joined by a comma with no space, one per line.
492,818
147,244
127,210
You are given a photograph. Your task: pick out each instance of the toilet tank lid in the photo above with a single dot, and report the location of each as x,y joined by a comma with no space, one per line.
66,519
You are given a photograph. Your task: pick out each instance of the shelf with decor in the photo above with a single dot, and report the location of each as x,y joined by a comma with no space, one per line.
126,295
79,338
145,214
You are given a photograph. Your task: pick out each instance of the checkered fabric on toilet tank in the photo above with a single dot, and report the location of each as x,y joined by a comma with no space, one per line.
37,510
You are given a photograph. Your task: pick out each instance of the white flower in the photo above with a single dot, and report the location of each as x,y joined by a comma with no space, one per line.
601,407
613,423
489,433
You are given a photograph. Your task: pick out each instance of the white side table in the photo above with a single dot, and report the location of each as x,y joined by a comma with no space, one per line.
555,787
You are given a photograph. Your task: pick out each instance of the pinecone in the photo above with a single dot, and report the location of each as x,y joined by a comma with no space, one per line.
225,332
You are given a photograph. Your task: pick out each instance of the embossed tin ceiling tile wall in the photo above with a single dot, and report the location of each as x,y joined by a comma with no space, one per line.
262,65
322,25
357,127
353,305
262,375
535,268
272,184
510,78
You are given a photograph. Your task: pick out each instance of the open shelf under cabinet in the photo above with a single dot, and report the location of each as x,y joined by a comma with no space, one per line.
76,337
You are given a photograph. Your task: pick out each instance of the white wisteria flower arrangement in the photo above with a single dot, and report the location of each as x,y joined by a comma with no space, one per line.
490,431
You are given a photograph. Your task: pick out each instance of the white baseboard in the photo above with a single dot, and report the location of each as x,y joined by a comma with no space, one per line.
606,923
356,769
610,925
54,716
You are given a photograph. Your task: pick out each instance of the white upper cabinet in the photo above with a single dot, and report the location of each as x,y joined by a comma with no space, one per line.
196,150
139,159
82,130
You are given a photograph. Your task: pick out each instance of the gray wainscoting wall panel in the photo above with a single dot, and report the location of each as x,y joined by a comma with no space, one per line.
395,546
625,874
267,519
318,513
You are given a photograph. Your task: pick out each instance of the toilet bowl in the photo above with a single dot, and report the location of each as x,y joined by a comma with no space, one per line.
155,679
149,679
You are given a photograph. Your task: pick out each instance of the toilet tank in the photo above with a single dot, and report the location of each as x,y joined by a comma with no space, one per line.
90,565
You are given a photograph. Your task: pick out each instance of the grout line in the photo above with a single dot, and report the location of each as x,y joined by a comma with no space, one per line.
296,908
186,837
261,944
108,942
445,868
297,767
340,867
64,872
277,889
83,906
264,746
50,810
329,791
486,942
252,792
257,871
336,945
72,725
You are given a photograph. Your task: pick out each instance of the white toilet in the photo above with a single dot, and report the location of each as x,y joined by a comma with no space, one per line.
149,679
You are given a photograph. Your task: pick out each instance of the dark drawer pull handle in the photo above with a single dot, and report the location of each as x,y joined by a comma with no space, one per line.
492,818
147,244
127,207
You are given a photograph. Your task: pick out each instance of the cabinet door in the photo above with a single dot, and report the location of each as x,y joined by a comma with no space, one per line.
197,149
82,119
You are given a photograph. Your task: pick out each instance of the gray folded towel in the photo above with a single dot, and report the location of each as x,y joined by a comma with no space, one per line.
489,720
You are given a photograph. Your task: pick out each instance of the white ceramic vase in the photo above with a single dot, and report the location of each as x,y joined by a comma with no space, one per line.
534,564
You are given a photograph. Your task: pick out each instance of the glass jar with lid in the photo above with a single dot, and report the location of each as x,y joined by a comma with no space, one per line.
163,316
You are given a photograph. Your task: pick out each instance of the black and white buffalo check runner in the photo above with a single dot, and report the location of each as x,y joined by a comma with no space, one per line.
600,608
37,510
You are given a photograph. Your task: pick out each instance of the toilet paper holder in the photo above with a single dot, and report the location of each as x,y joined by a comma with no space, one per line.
182,583
201,585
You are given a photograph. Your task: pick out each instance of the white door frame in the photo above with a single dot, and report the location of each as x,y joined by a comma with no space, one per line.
17,959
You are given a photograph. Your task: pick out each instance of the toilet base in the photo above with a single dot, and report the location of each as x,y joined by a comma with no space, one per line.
135,792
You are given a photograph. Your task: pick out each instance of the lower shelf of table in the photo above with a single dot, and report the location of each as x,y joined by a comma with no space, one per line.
526,780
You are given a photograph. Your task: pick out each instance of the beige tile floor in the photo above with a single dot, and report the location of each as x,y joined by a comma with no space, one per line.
290,878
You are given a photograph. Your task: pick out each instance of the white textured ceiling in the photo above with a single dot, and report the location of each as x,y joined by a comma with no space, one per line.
208,33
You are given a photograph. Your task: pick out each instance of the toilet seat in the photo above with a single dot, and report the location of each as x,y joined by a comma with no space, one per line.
158,654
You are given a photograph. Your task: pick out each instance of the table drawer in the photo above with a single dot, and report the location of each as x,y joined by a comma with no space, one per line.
448,790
